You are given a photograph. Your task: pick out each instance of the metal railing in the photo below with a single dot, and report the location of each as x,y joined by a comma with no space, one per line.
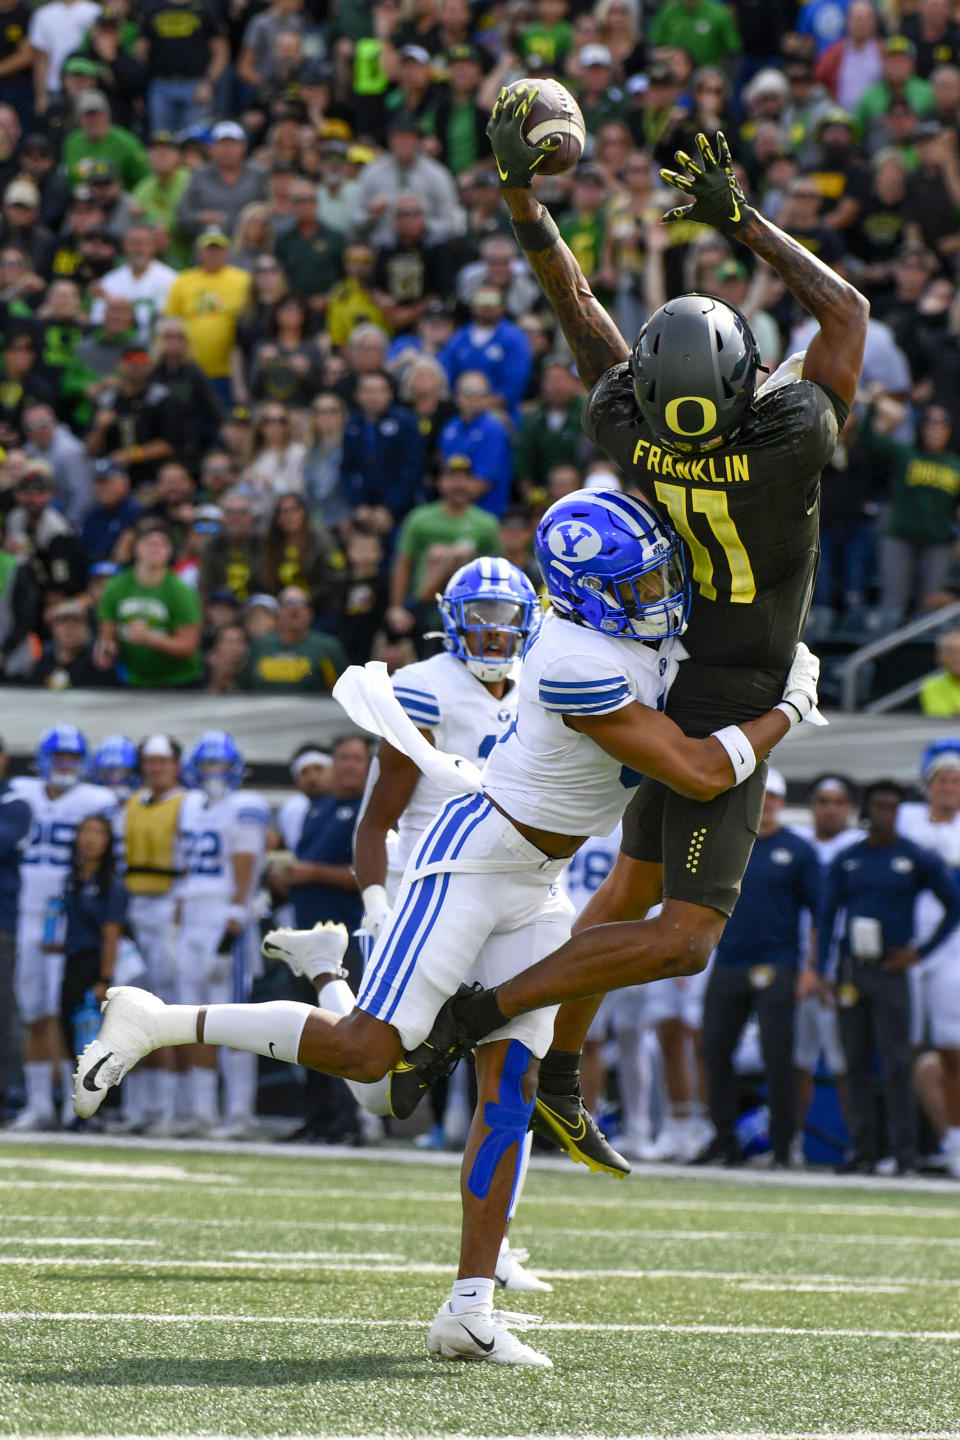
851,667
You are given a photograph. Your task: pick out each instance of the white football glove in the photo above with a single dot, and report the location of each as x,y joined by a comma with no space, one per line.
376,908
799,700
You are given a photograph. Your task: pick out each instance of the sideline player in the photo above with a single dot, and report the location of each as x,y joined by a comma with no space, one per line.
935,984
59,800
481,885
737,471
463,701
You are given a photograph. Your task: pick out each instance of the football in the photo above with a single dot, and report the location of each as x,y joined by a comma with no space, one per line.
554,112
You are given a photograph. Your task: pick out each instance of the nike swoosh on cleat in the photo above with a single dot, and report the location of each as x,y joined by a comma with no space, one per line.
568,1130
485,1345
91,1075
272,1051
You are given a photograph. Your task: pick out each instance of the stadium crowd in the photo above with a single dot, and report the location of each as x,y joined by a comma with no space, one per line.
272,366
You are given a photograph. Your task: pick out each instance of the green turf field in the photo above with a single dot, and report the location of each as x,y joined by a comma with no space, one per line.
189,1292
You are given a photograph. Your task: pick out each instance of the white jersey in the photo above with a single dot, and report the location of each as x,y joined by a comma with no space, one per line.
441,695
46,859
590,867
290,818
211,833
545,774
147,294
943,838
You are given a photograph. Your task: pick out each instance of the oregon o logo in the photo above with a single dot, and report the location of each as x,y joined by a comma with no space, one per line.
573,540
708,415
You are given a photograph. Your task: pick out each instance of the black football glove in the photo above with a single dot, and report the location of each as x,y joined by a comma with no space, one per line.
718,200
516,160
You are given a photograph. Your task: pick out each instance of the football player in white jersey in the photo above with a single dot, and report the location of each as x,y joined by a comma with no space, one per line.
480,893
222,838
59,799
935,982
831,799
115,765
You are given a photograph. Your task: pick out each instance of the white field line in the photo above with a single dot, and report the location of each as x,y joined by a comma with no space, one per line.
559,1326
112,1169
635,1435
395,1264
97,1240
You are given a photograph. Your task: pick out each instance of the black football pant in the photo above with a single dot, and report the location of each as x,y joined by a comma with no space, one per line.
734,993
878,1021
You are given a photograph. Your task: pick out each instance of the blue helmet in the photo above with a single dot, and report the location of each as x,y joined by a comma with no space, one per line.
609,563
488,598
214,764
114,764
50,756
940,755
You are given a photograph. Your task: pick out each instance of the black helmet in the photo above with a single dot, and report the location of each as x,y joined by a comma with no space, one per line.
694,369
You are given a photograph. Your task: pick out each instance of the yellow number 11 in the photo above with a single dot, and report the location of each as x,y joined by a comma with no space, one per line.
712,504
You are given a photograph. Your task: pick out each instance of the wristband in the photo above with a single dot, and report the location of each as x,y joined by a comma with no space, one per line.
739,750
536,234
374,898
791,711
238,915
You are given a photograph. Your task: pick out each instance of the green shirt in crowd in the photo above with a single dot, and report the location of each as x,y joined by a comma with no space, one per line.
311,664
156,201
432,524
707,31
552,43
165,607
940,695
119,146
926,488
314,263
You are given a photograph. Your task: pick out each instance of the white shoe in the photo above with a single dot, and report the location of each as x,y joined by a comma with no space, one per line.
797,1158
510,1274
29,1120
319,951
666,1146
244,1127
127,1034
193,1127
480,1335
159,1129
953,1163
633,1142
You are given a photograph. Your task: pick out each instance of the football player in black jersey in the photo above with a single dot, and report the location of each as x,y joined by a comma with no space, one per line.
736,470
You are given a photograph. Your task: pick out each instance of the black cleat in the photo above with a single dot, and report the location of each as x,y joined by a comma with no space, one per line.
430,1061
719,1152
566,1121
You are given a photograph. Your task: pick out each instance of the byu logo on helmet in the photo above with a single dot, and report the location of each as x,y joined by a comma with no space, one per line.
572,540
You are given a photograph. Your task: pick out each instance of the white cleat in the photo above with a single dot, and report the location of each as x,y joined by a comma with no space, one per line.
482,1335
29,1121
953,1163
128,1032
243,1127
510,1274
319,951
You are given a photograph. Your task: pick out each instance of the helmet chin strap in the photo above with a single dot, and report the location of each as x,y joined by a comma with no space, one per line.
63,779
488,670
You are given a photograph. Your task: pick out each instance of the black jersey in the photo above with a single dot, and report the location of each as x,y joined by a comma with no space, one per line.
748,511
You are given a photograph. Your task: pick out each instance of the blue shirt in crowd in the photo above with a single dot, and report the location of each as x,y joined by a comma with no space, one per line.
882,883
383,460
86,911
486,443
781,881
103,528
16,818
327,839
504,355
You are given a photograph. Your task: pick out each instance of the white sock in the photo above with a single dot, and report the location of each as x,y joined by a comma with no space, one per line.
38,1082
175,1025
952,1140
203,1088
337,996
166,1093
239,1084
523,1162
133,1095
273,1028
472,1294
66,1091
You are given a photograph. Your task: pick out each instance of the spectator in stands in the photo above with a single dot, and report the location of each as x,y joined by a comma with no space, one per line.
551,432
494,345
19,608
875,885
21,384
67,458
56,30
350,303
226,660
149,620
403,169
899,81
500,265
21,226
107,532
303,554
67,658
185,51
276,465
411,270
933,190
261,615
210,298
482,438
704,29
940,693
382,456
758,968
310,252
96,139
286,366
137,423
934,34
425,390
924,482
36,530
850,66
16,818
322,482
294,658
156,198
232,559
219,190
144,280
434,540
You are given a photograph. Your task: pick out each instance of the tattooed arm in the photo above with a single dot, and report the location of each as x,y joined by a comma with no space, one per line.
835,354
594,340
